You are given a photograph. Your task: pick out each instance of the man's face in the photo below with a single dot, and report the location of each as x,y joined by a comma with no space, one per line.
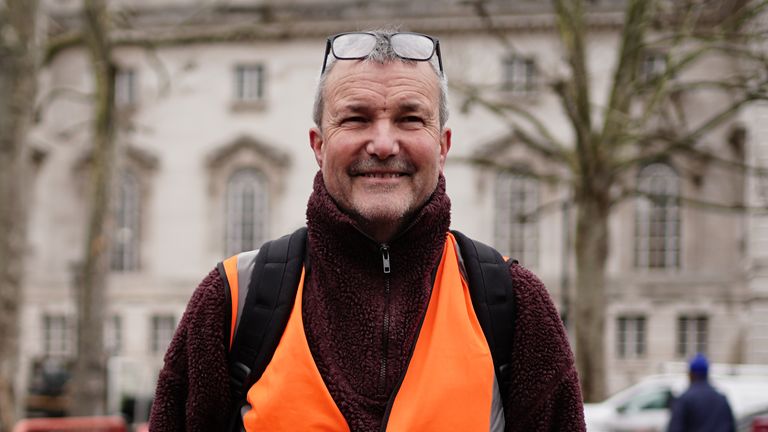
381,147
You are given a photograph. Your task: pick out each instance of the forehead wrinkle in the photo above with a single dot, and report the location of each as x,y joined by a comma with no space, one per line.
353,86
350,77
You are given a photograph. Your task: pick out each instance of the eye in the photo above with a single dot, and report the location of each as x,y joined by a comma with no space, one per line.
412,119
354,119
413,122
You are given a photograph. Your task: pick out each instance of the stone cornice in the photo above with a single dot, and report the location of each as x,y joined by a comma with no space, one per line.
266,20
296,20
272,154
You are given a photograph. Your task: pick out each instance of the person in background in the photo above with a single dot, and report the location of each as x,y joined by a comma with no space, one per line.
701,408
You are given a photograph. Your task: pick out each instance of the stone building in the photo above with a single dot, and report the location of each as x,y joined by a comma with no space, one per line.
215,101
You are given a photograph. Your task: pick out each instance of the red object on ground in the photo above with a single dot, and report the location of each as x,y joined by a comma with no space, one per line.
760,424
72,424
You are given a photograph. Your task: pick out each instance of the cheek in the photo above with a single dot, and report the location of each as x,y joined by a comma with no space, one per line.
341,150
429,153
335,160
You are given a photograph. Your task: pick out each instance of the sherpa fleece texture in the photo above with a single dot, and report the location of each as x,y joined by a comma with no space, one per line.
349,334
361,322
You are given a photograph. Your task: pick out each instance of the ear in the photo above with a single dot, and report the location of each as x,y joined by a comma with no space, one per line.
445,145
316,142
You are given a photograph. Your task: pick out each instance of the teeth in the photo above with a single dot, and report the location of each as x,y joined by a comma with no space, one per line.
382,175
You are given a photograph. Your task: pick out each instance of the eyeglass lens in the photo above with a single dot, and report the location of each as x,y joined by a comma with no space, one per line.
353,45
412,46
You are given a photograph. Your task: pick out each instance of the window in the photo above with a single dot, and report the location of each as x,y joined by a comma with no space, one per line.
125,241
246,211
631,337
57,335
163,327
692,333
647,400
653,66
125,88
517,227
519,74
113,335
657,223
249,83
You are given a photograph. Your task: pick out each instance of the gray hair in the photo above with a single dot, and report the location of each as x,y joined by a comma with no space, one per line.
384,54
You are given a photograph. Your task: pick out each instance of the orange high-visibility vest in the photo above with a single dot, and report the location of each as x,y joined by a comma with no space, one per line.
449,384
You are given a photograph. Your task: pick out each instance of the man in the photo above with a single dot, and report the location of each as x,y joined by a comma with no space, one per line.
382,333
701,408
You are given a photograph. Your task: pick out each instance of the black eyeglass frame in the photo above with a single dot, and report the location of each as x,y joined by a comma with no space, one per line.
435,49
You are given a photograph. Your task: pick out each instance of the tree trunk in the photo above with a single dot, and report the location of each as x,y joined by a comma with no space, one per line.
90,367
591,246
18,87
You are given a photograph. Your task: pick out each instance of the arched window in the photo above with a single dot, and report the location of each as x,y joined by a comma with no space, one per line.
125,239
246,211
517,222
657,222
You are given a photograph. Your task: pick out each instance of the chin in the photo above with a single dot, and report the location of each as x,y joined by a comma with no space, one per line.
382,207
383,213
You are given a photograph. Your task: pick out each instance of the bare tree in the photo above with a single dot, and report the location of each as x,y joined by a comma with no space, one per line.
18,87
645,119
90,368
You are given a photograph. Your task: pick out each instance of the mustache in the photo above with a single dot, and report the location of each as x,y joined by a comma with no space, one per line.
397,164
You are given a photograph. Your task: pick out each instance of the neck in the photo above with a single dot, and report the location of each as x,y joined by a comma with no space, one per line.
380,232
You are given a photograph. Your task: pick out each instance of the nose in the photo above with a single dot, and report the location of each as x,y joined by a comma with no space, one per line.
384,143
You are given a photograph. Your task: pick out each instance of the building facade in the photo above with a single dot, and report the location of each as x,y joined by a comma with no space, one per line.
215,103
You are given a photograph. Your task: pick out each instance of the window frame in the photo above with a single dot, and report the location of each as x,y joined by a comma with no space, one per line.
234,217
113,335
57,340
516,196
658,222
519,74
692,335
126,87
653,65
125,253
160,337
631,336
250,83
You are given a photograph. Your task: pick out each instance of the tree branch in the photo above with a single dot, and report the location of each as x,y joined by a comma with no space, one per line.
630,55
572,30
481,9
696,202
494,164
549,146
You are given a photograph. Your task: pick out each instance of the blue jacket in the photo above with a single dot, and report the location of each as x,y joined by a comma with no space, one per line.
701,409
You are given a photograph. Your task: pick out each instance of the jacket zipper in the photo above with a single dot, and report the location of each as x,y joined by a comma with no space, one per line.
384,249
400,380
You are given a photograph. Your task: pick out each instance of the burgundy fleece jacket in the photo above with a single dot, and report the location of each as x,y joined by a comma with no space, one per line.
361,324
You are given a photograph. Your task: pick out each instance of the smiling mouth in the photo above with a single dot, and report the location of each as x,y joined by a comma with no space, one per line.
381,175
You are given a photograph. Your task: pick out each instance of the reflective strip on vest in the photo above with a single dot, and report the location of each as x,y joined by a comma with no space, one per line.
238,268
460,394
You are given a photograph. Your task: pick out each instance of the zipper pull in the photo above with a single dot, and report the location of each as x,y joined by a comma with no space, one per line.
385,258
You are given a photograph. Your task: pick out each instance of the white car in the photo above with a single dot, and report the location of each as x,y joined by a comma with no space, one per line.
644,407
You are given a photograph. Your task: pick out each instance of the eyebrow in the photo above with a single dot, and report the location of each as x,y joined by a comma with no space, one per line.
411,106
355,107
405,106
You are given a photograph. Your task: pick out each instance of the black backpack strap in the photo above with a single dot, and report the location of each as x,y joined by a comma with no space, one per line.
493,298
268,302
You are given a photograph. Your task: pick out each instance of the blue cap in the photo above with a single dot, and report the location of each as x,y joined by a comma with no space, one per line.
699,365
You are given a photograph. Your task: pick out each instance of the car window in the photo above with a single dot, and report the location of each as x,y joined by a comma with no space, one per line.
651,399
